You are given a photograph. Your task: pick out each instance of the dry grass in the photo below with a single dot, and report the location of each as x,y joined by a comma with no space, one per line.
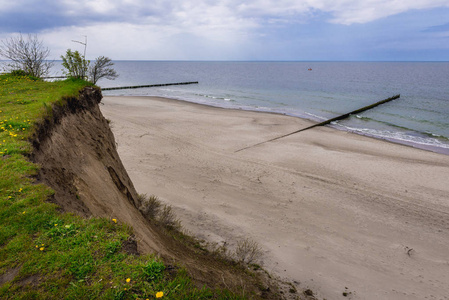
247,251
153,209
149,206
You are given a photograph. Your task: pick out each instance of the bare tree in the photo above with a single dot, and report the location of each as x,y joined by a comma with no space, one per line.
26,54
102,69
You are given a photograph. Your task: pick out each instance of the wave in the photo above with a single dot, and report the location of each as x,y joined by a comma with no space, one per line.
418,138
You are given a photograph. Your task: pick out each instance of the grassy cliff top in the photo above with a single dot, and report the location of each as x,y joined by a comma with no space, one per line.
46,254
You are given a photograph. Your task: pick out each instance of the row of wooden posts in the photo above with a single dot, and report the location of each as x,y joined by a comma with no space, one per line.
341,117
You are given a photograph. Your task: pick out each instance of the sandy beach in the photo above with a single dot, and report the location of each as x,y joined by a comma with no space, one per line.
333,211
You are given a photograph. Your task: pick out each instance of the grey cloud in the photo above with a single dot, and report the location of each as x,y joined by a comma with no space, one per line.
32,17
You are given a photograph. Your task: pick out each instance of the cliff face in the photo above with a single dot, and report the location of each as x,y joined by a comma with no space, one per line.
77,155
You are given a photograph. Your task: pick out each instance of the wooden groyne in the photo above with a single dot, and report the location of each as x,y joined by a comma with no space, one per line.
146,86
344,116
54,77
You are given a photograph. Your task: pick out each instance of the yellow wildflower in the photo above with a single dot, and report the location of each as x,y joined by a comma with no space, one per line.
159,294
114,220
42,248
128,279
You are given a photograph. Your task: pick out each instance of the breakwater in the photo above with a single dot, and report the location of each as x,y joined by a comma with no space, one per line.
149,85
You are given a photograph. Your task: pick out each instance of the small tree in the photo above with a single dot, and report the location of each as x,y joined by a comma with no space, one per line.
102,69
28,55
76,65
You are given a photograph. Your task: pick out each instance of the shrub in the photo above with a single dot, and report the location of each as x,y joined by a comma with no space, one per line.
149,206
247,251
168,219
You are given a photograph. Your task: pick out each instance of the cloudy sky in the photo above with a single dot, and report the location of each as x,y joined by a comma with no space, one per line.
393,30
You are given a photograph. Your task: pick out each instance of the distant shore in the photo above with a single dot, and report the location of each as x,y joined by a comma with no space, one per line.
333,211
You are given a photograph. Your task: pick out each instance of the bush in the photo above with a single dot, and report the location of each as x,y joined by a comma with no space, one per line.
149,206
247,251
18,73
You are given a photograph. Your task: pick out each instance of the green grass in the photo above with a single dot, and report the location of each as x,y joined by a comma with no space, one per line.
55,255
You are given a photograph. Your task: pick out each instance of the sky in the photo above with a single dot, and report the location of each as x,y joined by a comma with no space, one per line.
279,30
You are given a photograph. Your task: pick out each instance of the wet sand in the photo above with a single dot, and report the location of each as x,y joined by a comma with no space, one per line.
333,211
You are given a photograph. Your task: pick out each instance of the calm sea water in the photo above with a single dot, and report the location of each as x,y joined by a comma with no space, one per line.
419,118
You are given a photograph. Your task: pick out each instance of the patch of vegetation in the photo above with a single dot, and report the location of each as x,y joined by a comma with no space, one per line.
149,206
161,214
45,254
247,251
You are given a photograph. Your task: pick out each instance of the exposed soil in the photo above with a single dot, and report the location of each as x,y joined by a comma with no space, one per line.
77,154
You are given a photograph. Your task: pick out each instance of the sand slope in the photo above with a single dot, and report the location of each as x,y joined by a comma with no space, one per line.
333,211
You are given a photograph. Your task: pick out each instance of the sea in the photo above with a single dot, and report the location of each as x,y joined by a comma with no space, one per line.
312,90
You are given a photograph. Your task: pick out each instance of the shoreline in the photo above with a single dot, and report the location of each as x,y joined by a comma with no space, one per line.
431,148
334,211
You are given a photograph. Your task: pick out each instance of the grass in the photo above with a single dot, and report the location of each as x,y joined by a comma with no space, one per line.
46,254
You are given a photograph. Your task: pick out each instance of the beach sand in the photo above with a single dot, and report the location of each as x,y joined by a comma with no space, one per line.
333,211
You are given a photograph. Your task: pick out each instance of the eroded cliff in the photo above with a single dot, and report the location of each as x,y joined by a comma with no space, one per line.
76,151
77,155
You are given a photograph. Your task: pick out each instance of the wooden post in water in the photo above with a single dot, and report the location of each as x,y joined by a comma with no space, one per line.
329,121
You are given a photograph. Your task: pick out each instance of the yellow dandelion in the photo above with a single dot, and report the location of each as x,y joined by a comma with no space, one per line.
42,248
159,294
56,224
24,212
125,289
128,279
114,220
